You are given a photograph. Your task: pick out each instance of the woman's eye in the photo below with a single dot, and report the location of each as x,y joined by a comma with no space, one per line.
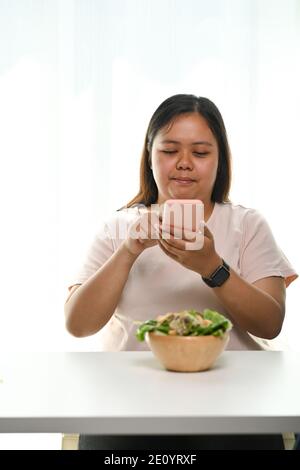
200,154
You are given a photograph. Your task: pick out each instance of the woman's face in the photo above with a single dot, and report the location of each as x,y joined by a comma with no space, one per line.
185,159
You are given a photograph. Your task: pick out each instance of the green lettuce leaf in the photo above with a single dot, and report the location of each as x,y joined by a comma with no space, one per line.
188,326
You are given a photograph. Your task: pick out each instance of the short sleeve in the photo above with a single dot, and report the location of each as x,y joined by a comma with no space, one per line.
100,250
260,255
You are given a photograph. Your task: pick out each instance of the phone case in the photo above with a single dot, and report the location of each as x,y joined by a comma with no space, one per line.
186,218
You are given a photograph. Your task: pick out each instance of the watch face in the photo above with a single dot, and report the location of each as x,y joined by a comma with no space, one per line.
221,275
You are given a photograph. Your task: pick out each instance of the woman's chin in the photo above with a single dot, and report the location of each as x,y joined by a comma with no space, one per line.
183,193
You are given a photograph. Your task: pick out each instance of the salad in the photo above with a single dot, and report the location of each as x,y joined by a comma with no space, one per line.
186,323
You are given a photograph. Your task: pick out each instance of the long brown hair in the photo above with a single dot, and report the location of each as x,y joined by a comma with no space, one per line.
165,114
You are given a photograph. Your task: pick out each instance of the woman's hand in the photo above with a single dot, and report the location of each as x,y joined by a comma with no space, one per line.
142,233
203,261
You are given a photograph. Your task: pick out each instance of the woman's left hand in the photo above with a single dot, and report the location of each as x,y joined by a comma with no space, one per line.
203,261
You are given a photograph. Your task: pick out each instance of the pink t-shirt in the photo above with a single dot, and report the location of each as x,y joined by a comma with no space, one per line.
157,284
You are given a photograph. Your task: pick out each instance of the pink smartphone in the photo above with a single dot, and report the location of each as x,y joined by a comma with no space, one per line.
186,218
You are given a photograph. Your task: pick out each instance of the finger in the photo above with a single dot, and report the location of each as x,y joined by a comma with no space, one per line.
177,237
170,255
156,231
170,249
148,230
167,233
173,231
134,232
178,246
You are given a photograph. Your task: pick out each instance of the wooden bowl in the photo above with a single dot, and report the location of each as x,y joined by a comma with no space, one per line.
186,353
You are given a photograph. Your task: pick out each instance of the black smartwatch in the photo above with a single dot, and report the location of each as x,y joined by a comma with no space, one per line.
219,276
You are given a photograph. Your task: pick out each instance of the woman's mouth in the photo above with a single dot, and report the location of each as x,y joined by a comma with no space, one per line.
183,181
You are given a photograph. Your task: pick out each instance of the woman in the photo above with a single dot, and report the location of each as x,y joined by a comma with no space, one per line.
186,156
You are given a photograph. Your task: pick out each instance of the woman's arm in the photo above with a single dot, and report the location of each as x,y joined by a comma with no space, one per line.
258,308
92,304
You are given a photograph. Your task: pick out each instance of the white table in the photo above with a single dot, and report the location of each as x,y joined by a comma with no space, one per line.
130,393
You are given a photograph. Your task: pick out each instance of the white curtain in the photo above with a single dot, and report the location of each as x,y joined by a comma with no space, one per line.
79,80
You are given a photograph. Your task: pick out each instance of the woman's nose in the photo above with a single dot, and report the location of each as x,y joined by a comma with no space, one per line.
184,162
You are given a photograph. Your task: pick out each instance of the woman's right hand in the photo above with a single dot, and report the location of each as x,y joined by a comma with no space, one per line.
142,234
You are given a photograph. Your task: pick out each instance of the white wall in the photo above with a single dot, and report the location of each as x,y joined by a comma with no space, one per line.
79,81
